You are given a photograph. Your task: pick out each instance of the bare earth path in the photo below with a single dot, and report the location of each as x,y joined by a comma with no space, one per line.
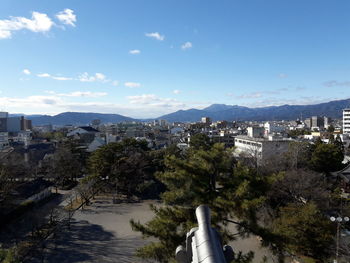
102,233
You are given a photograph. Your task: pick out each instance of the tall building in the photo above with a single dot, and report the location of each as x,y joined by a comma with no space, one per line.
346,121
206,120
327,122
317,122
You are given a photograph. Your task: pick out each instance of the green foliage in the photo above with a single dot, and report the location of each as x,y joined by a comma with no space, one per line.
200,141
305,231
326,158
126,164
298,132
8,256
201,177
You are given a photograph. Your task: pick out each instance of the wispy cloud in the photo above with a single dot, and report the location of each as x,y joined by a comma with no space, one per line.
39,22
67,17
44,75
47,75
252,95
134,52
176,91
132,84
282,75
335,83
154,100
26,71
155,35
85,77
186,46
87,94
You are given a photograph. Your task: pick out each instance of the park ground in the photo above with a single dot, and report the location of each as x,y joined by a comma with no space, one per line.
101,232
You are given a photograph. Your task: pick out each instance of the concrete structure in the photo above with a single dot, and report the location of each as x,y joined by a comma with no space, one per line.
14,124
308,123
317,122
256,132
206,120
327,122
346,121
261,148
272,128
4,140
4,114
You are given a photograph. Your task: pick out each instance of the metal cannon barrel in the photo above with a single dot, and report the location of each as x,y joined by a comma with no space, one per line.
203,243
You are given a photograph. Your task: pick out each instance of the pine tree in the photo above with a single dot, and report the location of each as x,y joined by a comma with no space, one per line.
202,177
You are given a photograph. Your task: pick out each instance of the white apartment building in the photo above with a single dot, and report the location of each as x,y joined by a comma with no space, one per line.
261,148
346,121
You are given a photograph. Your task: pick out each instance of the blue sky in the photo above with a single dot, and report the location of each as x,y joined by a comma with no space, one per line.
145,58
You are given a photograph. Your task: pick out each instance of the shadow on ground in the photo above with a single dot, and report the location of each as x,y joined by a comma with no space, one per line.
86,242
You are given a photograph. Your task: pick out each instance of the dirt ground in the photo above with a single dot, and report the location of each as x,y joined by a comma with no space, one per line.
101,233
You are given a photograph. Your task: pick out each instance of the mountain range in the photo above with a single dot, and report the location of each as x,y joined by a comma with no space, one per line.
216,112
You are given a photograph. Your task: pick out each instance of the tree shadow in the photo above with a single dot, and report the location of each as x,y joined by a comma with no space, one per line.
86,242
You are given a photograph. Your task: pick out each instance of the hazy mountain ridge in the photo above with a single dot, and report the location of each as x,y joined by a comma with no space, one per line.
331,109
77,118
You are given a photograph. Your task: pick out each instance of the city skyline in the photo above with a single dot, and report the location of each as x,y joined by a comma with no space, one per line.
148,59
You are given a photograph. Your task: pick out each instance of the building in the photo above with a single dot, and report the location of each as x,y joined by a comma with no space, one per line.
346,121
260,148
4,140
206,120
308,123
317,122
256,132
14,124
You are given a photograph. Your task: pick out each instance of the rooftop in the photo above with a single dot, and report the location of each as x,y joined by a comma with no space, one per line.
243,137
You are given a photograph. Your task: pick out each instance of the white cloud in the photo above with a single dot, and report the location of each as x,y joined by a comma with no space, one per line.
47,75
44,75
176,91
134,52
39,22
115,83
155,101
67,17
60,78
87,94
85,77
282,75
100,76
252,95
26,71
336,83
132,84
155,35
186,45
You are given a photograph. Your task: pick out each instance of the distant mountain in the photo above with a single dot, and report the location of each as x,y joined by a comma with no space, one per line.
331,109
216,112
76,118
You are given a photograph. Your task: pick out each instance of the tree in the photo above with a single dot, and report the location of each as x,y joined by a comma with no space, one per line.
202,177
298,155
326,158
64,167
305,231
125,164
200,141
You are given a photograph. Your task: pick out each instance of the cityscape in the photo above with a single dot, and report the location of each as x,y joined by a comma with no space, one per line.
174,131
